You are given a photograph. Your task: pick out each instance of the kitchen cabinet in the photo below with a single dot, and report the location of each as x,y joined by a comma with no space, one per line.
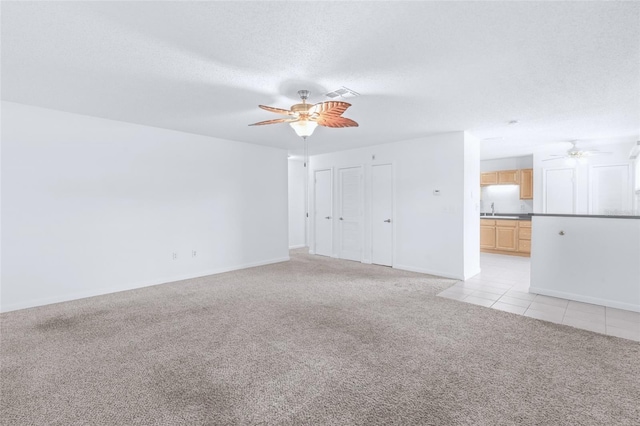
526,184
508,236
489,178
500,177
524,236
487,234
508,177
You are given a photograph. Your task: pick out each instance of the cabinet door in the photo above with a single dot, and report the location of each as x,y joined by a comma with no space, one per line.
489,178
506,238
487,237
508,177
526,184
524,246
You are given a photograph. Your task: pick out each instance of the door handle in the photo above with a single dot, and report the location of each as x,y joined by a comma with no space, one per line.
388,221
328,217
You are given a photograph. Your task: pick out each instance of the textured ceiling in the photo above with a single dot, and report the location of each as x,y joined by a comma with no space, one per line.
564,70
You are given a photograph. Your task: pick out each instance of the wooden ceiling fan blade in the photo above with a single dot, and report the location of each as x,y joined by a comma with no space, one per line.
330,108
275,121
277,110
335,121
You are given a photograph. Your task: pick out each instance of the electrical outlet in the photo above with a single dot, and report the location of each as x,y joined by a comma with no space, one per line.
193,253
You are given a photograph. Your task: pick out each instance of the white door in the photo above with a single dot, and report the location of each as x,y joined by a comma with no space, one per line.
610,189
323,228
382,215
559,191
350,213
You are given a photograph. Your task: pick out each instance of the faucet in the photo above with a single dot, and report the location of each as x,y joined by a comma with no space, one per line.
493,210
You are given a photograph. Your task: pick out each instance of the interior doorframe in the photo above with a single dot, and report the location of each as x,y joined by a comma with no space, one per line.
393,210
312,209
362,204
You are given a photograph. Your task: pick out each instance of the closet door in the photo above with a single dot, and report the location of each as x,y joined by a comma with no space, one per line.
382,215
350,213
323,223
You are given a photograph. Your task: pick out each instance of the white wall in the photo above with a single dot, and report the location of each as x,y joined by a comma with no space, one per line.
597,260
506,199
508,163
471,206
91,206
429,229
619,154
297,205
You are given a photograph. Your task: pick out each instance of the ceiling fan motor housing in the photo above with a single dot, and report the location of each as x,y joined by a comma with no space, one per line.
301,108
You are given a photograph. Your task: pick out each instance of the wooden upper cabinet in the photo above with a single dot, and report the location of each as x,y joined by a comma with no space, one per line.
489,178
526,184
509,177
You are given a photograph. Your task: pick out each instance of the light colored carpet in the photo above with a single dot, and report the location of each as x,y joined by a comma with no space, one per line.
311,341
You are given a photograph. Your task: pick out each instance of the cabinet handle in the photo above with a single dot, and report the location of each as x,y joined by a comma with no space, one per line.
388,221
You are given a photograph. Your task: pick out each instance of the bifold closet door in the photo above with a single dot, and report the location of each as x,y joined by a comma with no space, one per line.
350,213
382,214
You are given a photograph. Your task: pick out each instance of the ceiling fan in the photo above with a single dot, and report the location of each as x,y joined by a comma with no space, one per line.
304,117
574,153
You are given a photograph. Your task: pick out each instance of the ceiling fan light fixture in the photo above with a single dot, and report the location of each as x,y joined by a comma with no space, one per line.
303,128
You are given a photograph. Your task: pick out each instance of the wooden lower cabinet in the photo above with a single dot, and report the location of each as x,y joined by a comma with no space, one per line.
487,234
524,236
505,236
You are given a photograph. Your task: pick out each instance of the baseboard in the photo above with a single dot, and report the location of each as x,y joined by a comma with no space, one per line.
586,299
312,251
133,286
507,252
428,271
297,246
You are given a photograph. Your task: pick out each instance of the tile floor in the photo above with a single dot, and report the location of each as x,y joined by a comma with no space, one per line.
504,282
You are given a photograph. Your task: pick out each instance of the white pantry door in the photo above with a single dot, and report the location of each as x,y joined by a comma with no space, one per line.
350,213
323,227
559,191
382,215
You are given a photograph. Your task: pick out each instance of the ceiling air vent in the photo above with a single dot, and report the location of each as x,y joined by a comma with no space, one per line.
342,92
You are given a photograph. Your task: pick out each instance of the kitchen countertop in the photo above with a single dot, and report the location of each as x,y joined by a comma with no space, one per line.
507,216
601,216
